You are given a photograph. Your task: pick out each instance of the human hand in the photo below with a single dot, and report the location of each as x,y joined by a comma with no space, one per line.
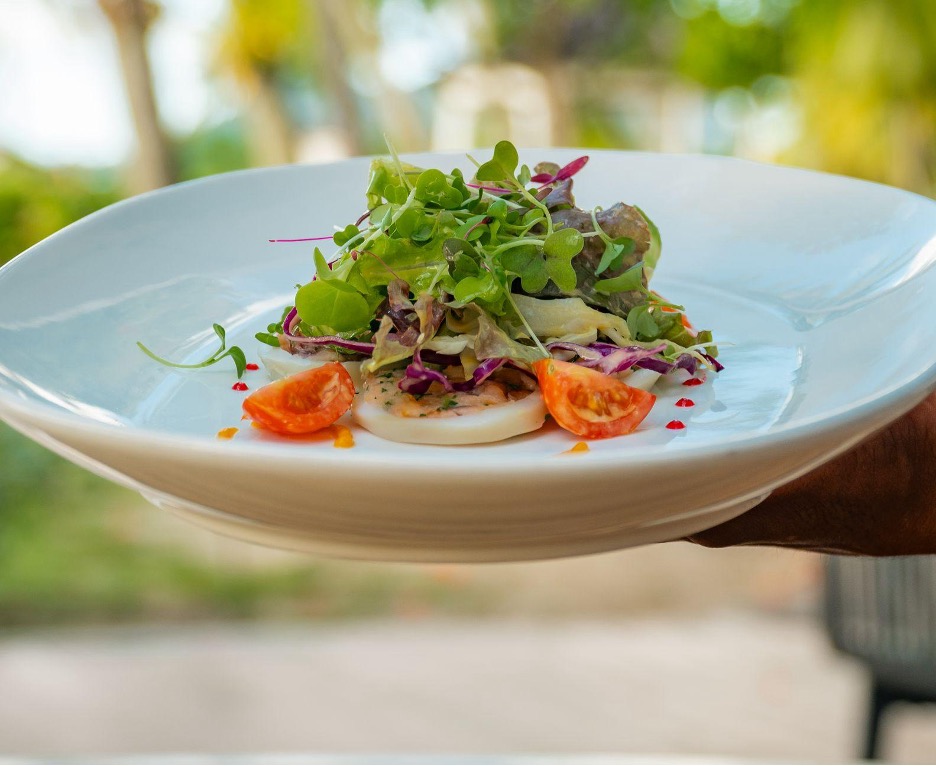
879,499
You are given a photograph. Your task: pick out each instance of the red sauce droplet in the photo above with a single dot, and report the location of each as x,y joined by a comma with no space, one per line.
253,366
676,425
685,403
239,386
693,382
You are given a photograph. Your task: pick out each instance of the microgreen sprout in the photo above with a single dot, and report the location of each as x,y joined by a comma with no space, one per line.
234,352
303,239
564,173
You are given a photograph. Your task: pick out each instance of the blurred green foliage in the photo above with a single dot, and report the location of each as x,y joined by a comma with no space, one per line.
721,55
36,202
216,149
73,549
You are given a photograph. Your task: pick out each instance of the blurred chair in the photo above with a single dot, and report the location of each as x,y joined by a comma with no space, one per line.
883,612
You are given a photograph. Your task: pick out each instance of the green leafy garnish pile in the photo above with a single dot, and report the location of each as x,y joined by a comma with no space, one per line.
440,256
478,243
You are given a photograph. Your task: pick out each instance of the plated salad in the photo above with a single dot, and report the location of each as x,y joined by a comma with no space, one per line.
466,310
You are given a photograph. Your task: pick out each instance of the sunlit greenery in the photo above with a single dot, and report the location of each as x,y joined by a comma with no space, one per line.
74,547
36,202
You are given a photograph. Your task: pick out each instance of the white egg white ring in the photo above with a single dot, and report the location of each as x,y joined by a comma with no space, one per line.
490,424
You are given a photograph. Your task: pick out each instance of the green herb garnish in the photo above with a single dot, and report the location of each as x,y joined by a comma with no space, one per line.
234,352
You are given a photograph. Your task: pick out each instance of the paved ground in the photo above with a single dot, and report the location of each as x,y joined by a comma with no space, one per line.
730,685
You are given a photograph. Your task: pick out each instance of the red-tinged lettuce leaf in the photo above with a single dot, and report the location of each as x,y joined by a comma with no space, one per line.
617,222
388,347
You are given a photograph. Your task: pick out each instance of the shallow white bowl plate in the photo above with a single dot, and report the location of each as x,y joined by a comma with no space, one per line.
821,290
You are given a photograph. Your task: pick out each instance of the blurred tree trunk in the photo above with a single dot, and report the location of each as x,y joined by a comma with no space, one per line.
254,47
131,20
349,34
333,63
541,47
549,24
270,130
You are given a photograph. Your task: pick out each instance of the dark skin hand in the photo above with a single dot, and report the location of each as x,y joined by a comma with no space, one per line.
879,499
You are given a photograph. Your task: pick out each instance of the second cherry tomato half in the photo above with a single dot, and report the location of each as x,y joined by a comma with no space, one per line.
589,403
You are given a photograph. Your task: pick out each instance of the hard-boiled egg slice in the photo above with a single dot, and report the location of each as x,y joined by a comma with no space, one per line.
640,378
279,364
484,415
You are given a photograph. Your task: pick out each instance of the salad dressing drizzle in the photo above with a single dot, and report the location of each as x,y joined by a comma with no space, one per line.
344,439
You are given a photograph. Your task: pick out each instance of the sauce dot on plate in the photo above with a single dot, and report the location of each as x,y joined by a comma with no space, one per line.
675,425
577,447
685,403
252,366
344,439
693,382
227,433
239,386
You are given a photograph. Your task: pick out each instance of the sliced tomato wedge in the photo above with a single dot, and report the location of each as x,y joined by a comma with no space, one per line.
589,403
304,402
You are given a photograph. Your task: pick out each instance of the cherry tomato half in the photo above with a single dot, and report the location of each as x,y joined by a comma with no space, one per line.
589,403
304,402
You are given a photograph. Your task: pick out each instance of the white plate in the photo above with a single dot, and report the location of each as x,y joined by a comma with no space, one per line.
820,289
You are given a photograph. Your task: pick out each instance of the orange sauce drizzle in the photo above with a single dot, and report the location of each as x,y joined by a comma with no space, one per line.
344,439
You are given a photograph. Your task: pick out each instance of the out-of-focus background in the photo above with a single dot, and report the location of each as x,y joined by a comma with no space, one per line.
126,633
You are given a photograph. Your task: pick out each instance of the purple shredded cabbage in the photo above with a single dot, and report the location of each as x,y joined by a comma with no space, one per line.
611,359
685,362
291,317
400,309
715,363
358,346
418,377
585,353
